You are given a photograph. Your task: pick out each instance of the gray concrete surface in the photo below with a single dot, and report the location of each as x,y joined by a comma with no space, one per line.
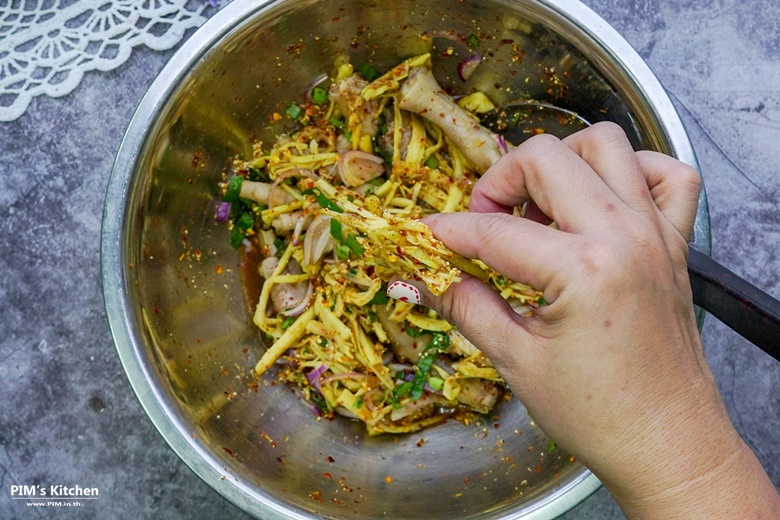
67,413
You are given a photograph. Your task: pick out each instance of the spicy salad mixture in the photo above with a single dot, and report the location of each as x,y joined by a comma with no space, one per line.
333,207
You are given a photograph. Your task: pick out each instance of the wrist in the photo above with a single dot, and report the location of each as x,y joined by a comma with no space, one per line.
736,487
693,465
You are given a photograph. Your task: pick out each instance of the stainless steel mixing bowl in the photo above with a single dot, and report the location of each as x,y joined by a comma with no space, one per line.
171,281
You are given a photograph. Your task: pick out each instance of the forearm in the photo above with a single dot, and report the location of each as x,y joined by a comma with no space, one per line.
737,488
696,467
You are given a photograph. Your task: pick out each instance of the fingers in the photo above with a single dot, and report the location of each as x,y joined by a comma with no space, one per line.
523,250
674,188
552,174
606,148
478,312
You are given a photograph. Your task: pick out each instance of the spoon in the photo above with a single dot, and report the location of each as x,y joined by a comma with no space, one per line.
743,307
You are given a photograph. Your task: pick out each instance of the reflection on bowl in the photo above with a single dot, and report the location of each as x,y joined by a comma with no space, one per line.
172,286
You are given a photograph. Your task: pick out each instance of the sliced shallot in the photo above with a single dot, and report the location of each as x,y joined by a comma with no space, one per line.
317,241
357,167
467,67
296,311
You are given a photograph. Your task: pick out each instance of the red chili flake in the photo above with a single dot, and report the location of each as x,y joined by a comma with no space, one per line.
229,452
327,475
330,459
538,469
156,310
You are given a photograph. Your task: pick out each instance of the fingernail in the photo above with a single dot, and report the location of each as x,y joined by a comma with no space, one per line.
404,292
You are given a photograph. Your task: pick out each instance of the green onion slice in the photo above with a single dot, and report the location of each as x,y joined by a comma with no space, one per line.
319,95
233,189
323,201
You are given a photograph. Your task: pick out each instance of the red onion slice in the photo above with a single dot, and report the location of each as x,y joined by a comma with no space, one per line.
314,377
502,144
317,240
223,211
357,167
297,310
467,67
345,375
300,227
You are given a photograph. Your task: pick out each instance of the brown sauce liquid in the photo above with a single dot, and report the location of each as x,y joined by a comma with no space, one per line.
249,271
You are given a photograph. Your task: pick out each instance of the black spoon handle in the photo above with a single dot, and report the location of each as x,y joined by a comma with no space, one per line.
745,308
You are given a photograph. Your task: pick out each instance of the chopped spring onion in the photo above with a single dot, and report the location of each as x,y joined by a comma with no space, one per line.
233,189
354,245
380,298
432,162
369,72
236,237
255,174
336,230
414,332
382,123
348,243
287,322
242,225
473,40
439,342
399,392
245,221
323,201
338,123
342,251
319,95
294,111
436,383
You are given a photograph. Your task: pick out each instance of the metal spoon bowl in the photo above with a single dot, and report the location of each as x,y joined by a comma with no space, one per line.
521,120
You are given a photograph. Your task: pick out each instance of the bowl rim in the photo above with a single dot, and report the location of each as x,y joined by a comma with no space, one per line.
112,248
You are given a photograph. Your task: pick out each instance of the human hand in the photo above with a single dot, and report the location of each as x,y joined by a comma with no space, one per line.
612,368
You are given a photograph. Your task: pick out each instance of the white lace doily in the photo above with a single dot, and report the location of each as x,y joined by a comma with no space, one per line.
46,46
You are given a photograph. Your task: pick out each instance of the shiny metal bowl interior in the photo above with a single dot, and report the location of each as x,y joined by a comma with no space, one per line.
172,287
